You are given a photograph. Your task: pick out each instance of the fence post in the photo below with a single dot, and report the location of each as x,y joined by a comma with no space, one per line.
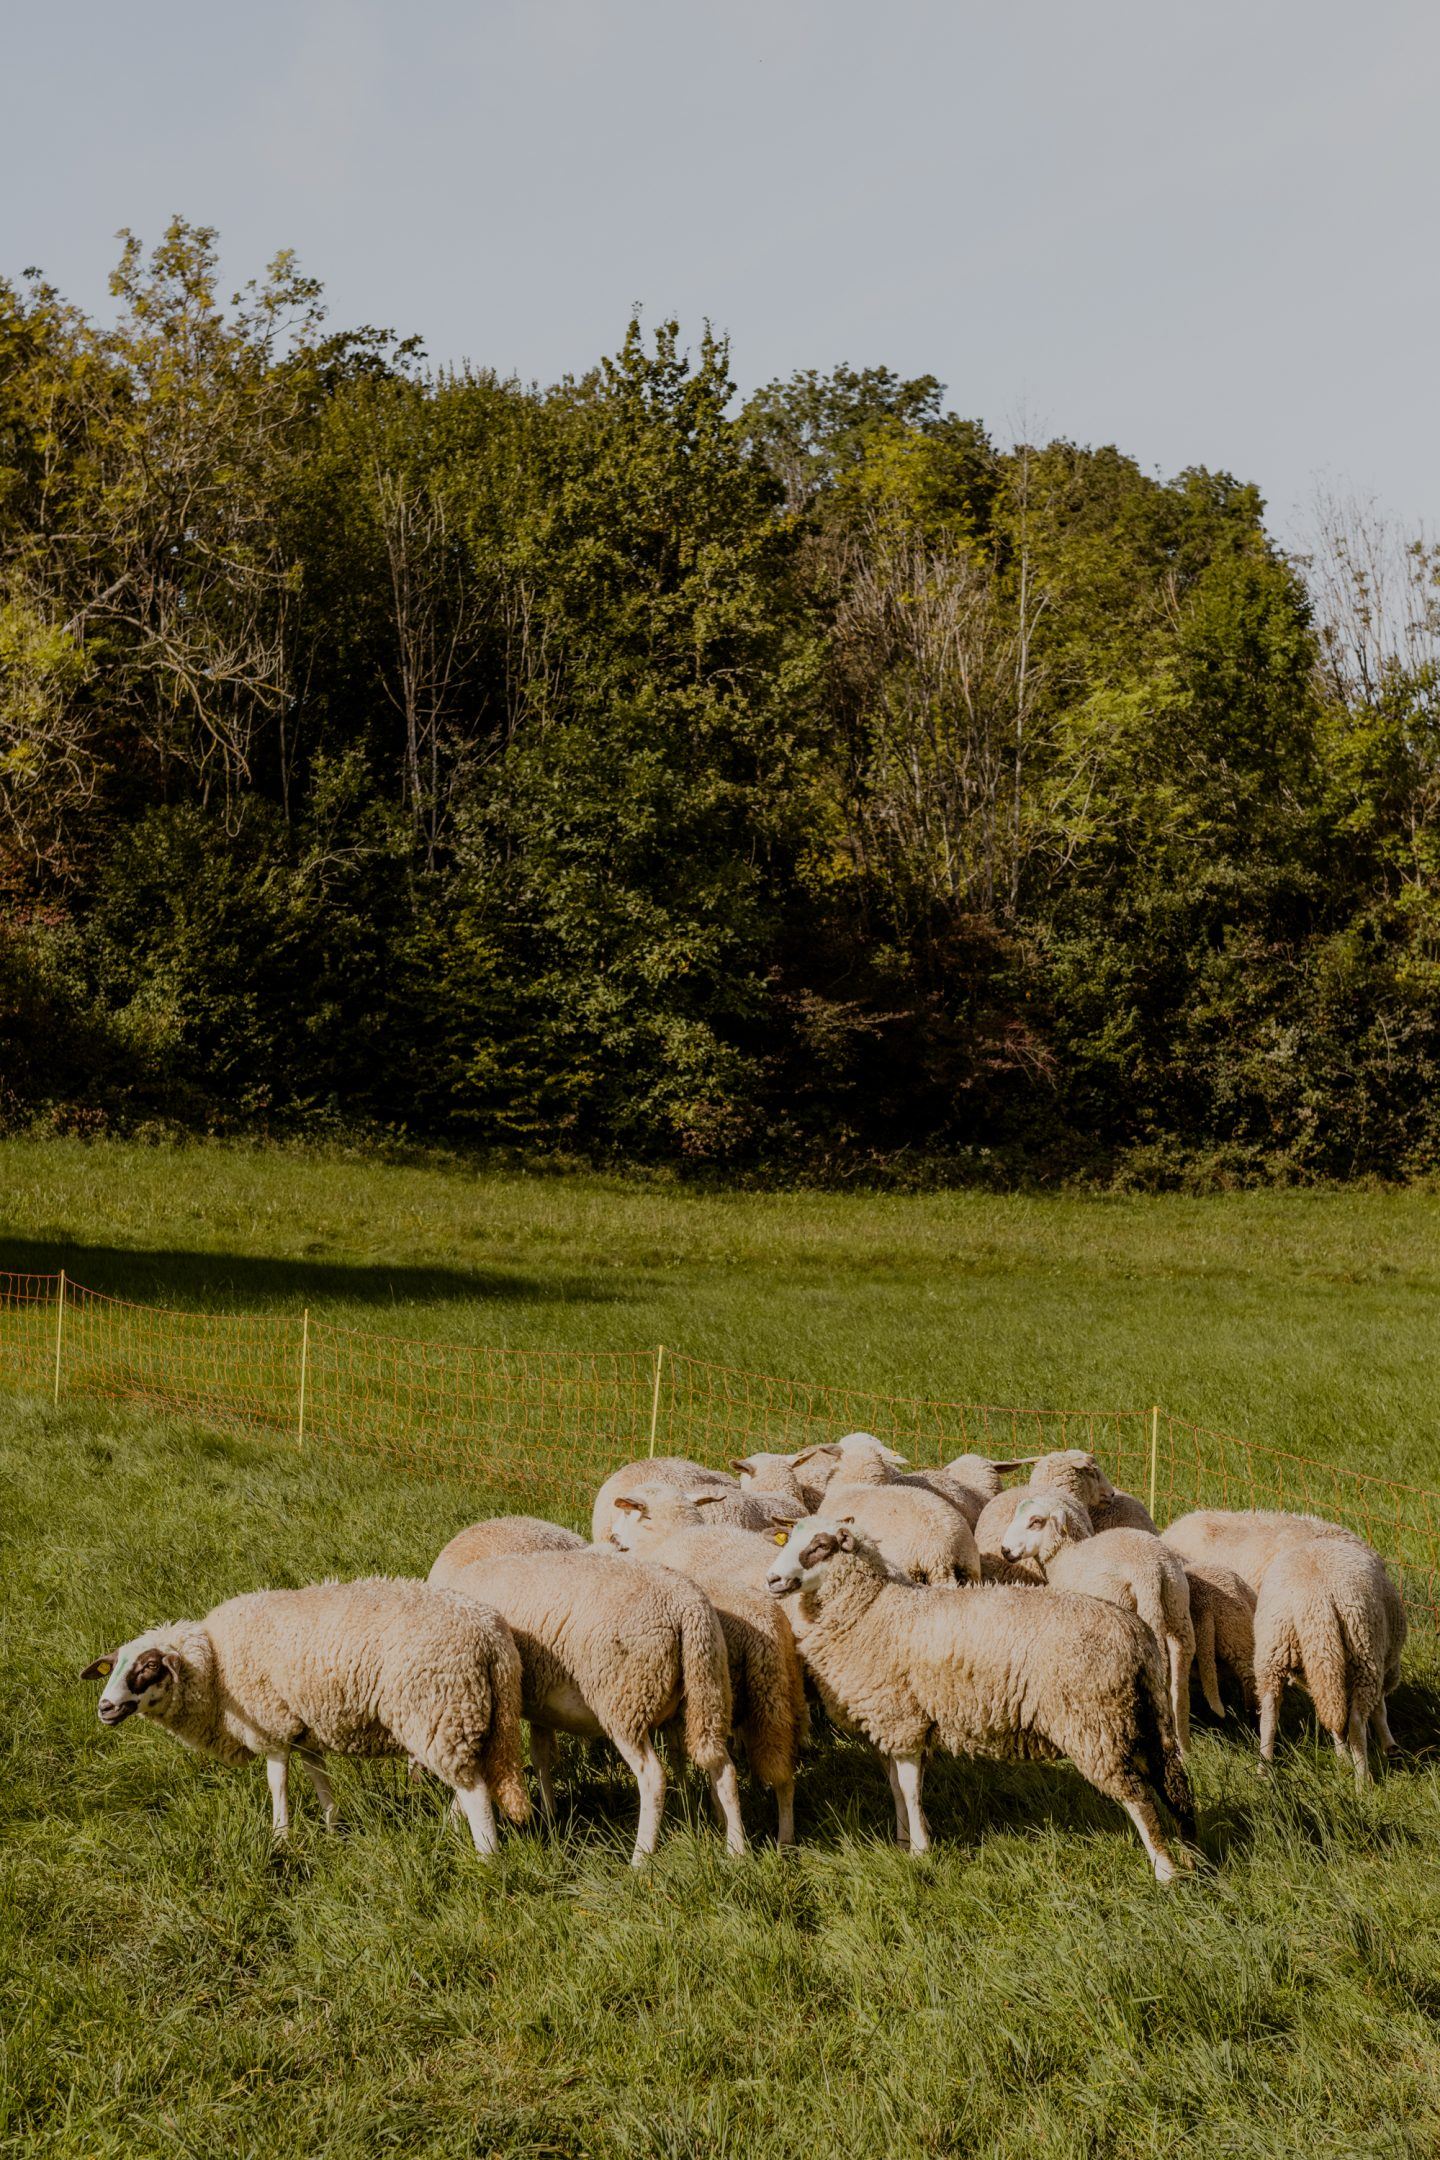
1154,1453
304,1374
59,1335
655,1398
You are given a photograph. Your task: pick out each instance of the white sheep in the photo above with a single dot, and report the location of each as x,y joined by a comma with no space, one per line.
1222,1606
1126,1567
646,1517
1006,1673
925,1537
613,1647
966,1482
497,1534
766,1682
1246,1539
778,1476
661,1470
1328,1615
377,1667
1068,1470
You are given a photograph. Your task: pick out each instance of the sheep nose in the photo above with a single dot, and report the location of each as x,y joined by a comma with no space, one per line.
115,1713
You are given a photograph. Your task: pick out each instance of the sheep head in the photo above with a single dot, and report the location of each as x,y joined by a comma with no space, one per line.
1044,1522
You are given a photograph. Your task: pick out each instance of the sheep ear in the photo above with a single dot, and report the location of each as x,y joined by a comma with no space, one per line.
628,1506
847,1520
706,1498
845,1535
100,1668
739,1463
1016,1462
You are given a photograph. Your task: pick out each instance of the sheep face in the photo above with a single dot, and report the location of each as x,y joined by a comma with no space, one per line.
808,1547
1042,1525
634,1517
1077,1472
141,1676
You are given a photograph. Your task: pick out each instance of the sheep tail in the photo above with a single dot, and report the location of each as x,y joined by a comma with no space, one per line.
705,1676
500,1753
1163,1763
1205,1664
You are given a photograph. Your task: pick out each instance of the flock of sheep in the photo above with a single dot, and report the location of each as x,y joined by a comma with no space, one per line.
924,1609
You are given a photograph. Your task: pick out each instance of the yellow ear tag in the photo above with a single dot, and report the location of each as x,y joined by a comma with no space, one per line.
782,1537
105,1668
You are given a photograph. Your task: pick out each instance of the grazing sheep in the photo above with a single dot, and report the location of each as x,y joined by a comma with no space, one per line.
779,1476
650,1515
662,1470
1222,1606
378,1667
1069,1470
1125,1567
499,1534
1328,1615
924,1537
767,1685
1007,1673
615,1647
1246,1539
860,1459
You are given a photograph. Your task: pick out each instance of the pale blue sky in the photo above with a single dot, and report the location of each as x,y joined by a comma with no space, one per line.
1205,232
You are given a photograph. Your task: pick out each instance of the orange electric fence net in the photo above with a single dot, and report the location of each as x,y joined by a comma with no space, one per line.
543,1428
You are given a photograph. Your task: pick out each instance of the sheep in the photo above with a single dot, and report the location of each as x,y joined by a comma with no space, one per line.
860,1459
1006,1673
615,1647
779,1475
766,1683
498,1534
645,1518
376,1667
662,1470
1126,1567
1246,1539
922,1536
1326,1613
1071,1470
1222,1606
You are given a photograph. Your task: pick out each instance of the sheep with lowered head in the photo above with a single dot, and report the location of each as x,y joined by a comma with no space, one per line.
661,1470
1069,1470
497,1534
766,1683
615,1648
1007,1673
780,1476
377,1667
1054,1532
1328,1615
966,1482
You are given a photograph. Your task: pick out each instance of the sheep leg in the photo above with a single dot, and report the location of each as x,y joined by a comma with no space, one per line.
910,1772
1355,1738
1269,1722
474,1804
725,1792
1142,1813
1380,1728
277,1772
785,1813
649,1774
1205,1664
902,1813
542,1759
1179,1692
319,1777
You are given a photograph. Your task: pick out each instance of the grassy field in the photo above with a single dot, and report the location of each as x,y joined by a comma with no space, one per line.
171,1986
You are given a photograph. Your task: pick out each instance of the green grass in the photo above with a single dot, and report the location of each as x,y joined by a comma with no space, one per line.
171,1986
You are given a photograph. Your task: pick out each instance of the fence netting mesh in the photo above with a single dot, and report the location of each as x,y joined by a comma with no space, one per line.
541,1429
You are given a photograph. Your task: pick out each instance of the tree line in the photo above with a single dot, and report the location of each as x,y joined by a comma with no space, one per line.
805,784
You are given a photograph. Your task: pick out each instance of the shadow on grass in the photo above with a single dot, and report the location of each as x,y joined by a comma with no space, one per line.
209,1281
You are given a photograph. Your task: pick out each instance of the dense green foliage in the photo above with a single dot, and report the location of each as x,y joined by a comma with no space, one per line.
170,1986
616,769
